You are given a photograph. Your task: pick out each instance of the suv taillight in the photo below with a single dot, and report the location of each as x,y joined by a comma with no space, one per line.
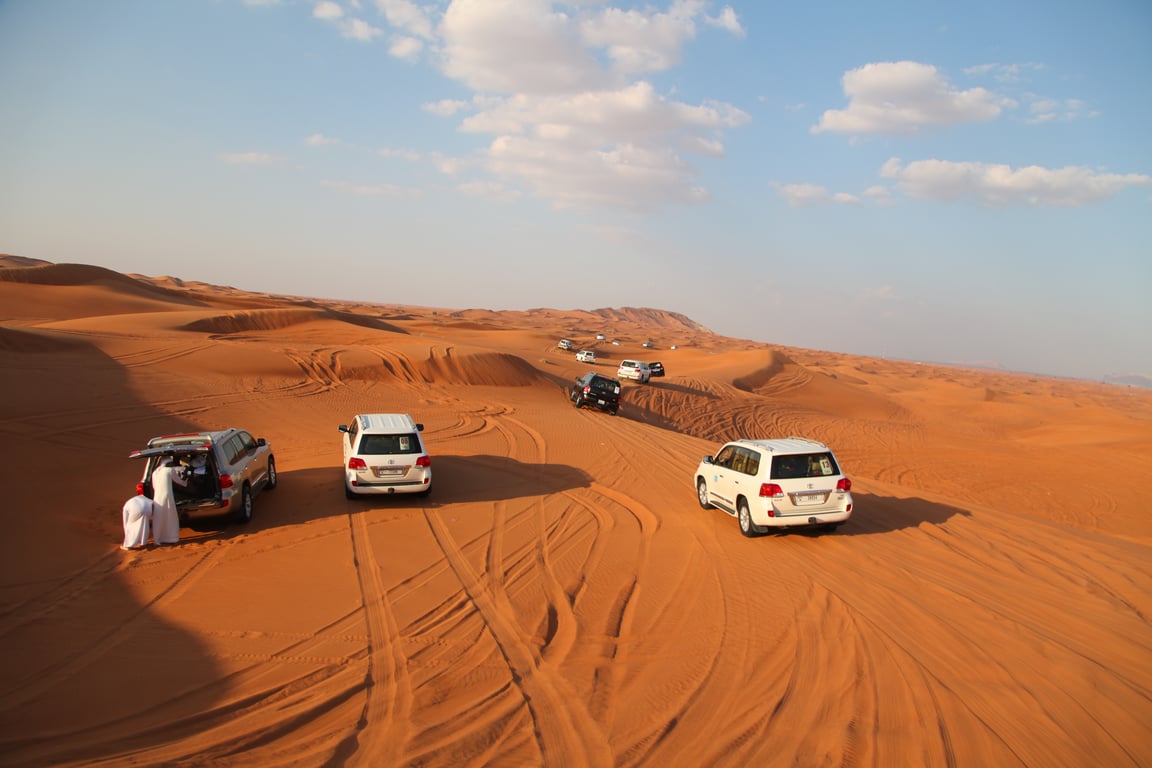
424,461
225,481
587,389
843,484
771,491
355,463
140,488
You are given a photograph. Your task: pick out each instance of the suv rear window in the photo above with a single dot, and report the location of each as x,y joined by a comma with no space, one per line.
603,385
382,445
799,465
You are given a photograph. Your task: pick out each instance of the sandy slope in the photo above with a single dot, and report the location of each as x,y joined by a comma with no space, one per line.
560,599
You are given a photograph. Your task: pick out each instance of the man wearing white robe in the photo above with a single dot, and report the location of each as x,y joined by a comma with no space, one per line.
166,523
138,512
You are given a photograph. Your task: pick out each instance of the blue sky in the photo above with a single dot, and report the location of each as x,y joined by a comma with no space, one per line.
948,182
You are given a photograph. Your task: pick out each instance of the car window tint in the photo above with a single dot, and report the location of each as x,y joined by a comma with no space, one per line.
753,464
724,458
804,465
248,441
383,445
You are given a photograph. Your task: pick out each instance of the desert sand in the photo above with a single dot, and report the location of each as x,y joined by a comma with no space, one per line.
560,599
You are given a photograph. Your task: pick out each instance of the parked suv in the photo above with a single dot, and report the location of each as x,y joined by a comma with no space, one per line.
384,454
596,391
635,370
775,484
224,471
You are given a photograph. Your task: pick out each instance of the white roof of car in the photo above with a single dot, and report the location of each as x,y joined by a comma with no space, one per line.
785,445
387,422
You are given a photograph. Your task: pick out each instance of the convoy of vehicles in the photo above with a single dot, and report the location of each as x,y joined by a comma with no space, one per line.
766,484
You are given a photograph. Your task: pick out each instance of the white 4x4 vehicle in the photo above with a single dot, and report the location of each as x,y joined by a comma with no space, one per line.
775,484
635,370
383,454
224,470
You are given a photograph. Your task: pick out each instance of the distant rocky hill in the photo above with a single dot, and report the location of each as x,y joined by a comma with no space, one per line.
1129,380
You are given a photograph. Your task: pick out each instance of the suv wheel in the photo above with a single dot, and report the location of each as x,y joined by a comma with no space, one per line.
577,401
745,518
702,494
243,512
272,478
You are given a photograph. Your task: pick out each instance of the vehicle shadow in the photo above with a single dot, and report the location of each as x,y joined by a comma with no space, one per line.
318,492
883,514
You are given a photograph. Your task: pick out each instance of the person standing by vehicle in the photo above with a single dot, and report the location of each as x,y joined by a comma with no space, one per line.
138,513
166,523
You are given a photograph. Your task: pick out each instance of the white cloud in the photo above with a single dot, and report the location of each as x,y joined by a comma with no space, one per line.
404,154
1045,110
515,46
249,158
319,140
409,17
446,107
807,195
353,29
554,88
327,11
370,190
727,20
489,190
407,48
1001,185
902,98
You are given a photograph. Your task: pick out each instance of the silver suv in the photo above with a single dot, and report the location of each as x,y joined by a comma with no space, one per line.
224,471
384,454
777,483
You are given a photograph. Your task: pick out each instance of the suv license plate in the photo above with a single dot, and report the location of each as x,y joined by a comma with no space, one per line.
387,471
601,402
809,498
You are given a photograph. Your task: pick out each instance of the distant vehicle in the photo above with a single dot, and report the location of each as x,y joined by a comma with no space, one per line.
635,370
616,342
792,482
648,345
384,454
565,344
596,391
600,337
673,347
656,369
224,470
585,356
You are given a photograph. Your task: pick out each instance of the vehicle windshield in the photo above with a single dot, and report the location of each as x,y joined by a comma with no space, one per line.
382,445
603,385
801,465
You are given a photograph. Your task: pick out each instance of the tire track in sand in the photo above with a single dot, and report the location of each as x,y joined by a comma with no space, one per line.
382,732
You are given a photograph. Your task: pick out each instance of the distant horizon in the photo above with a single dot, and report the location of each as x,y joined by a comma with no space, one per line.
1141,381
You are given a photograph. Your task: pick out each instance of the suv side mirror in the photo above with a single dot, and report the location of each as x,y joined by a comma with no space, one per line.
419,427
343,427
261,441
707,459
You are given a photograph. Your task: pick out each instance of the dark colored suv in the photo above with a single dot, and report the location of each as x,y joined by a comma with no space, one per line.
597,391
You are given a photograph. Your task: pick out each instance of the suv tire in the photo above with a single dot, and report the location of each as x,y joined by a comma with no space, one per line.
744,517
702,494
243,513
272,478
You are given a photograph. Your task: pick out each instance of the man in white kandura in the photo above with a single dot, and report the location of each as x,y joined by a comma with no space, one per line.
166,523
138,512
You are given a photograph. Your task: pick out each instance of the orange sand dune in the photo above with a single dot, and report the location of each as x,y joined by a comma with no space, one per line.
560,599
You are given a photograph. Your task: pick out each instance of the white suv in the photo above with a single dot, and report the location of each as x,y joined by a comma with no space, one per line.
635,370
384,454
775,484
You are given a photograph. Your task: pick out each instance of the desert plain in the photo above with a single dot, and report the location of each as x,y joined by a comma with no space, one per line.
560,598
